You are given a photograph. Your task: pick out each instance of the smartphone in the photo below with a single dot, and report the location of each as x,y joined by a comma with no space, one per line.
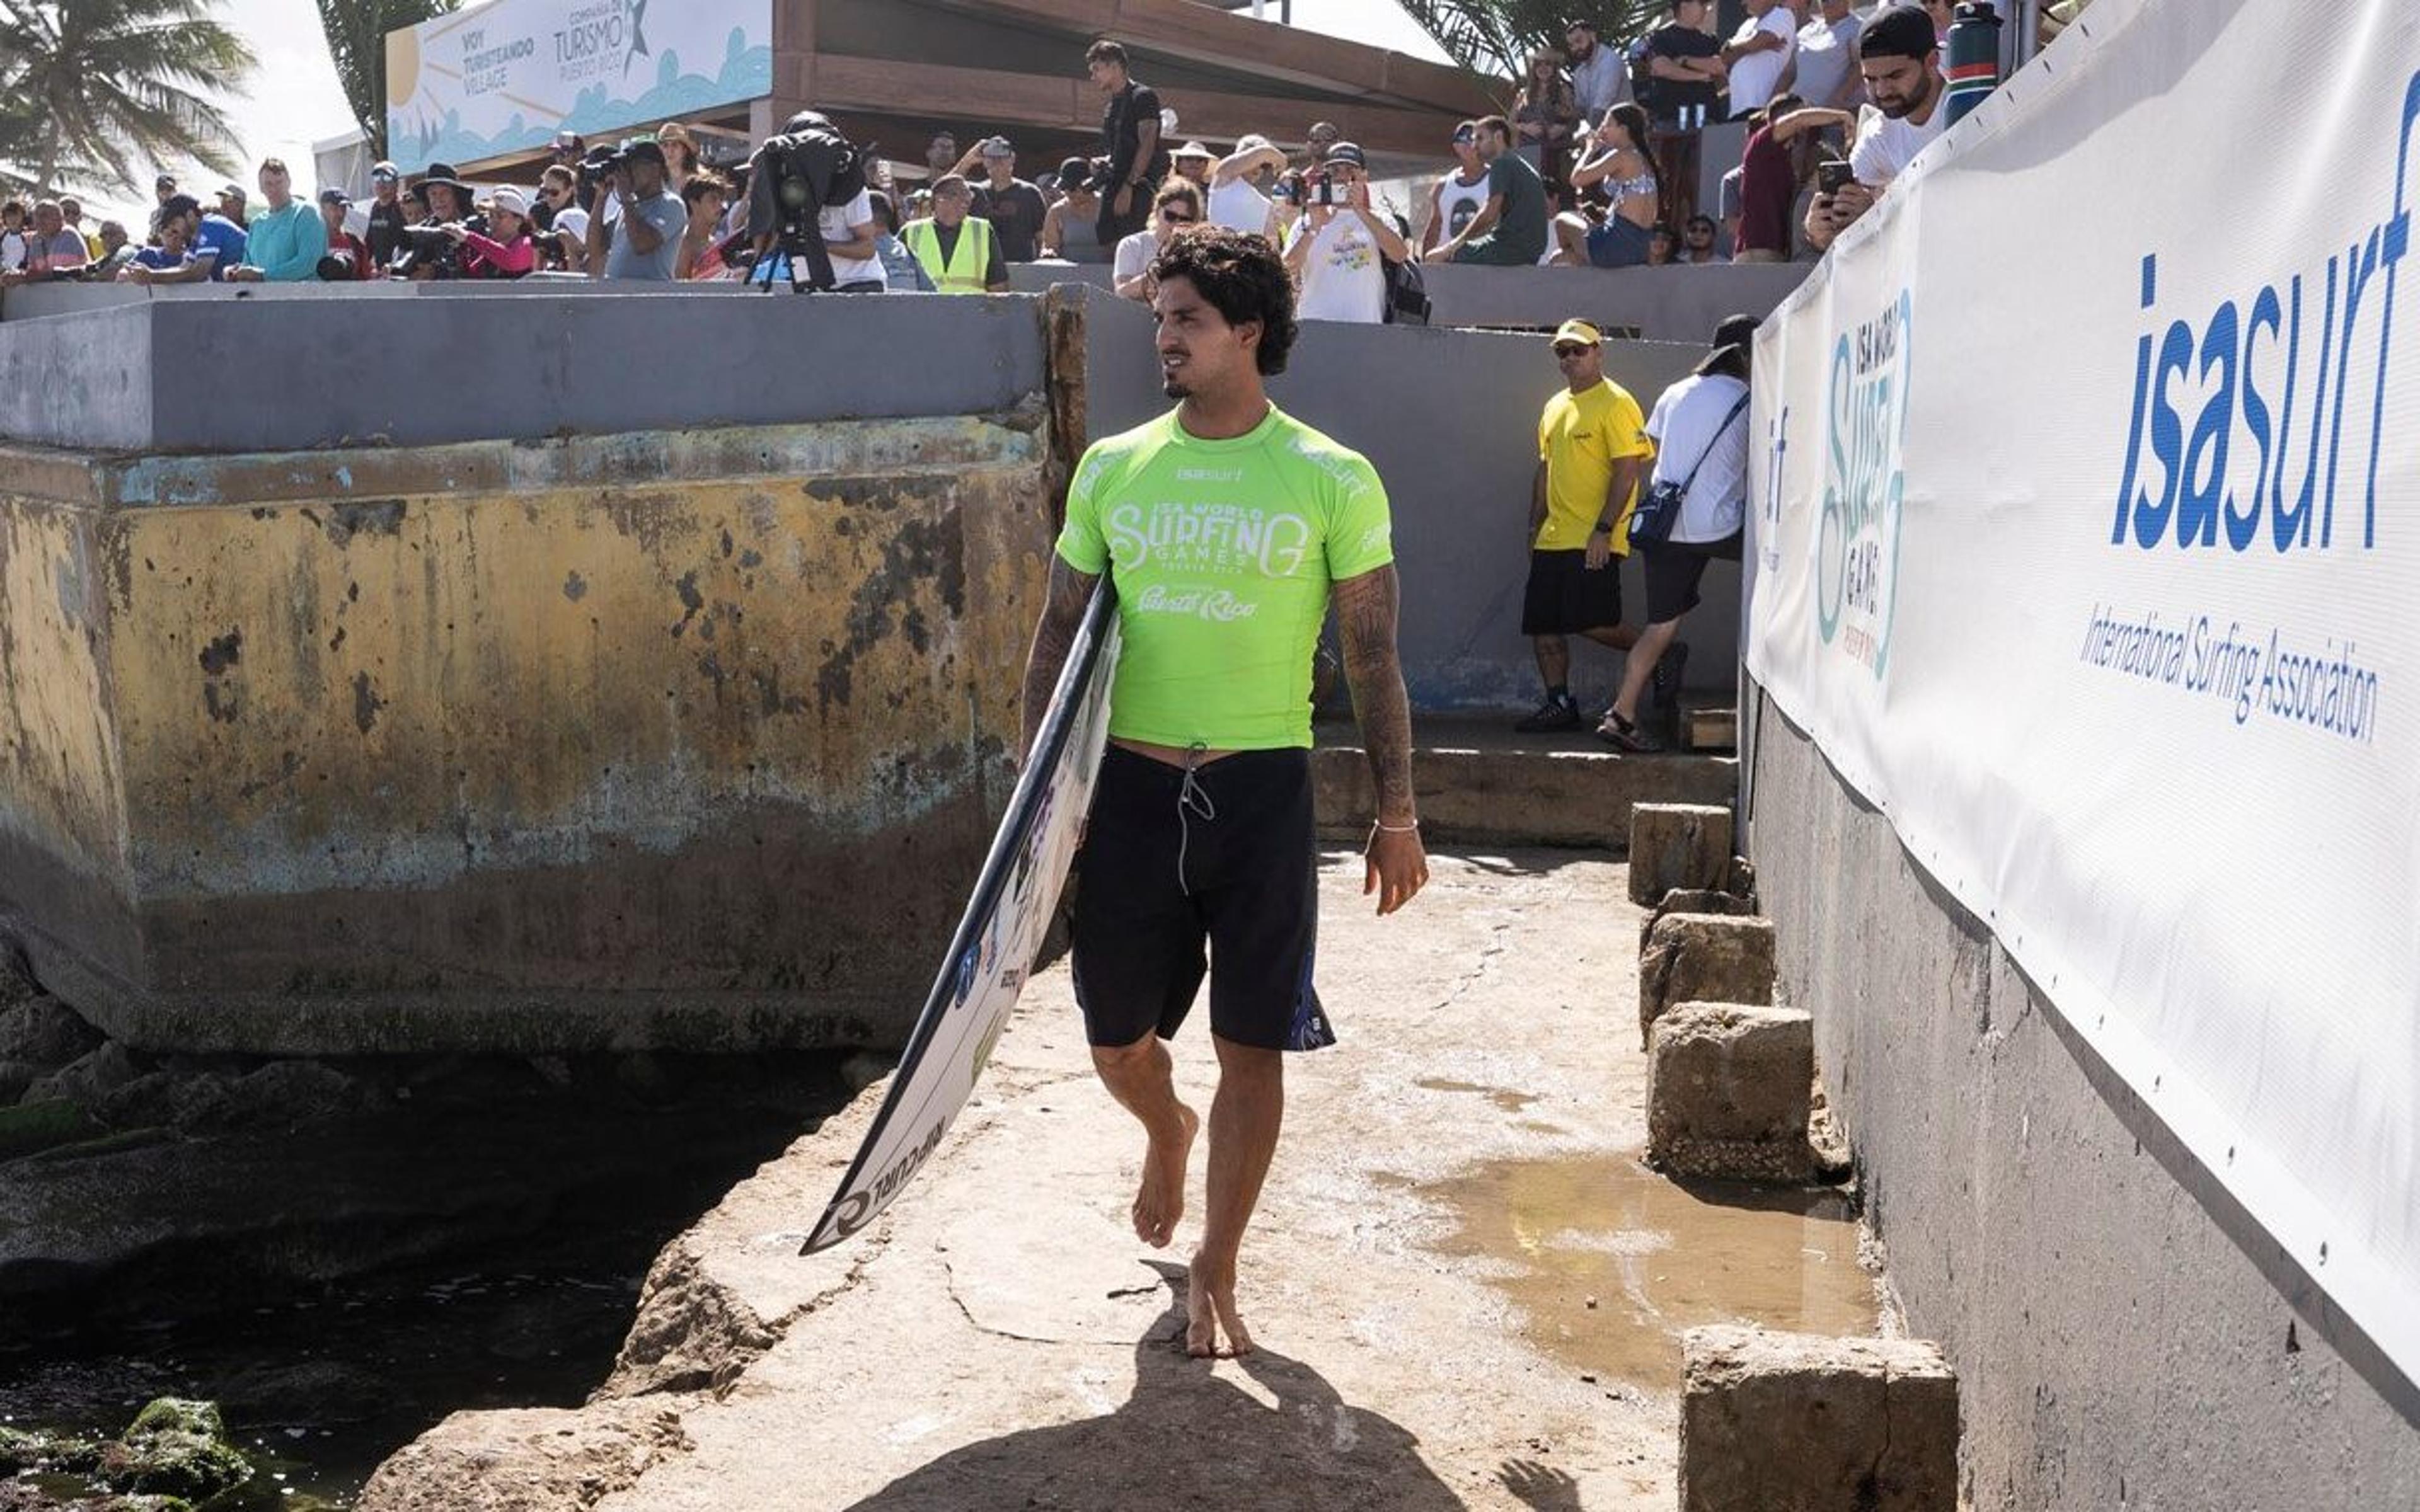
1327,192
1833,176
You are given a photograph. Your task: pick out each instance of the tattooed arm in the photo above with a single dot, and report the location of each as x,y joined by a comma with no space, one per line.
1365,612
1063,614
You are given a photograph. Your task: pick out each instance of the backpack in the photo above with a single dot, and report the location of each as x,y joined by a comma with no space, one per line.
1408,293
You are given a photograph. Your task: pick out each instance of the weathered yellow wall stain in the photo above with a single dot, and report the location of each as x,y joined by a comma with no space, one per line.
383,721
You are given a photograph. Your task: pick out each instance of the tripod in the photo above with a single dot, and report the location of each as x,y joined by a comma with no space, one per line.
793,242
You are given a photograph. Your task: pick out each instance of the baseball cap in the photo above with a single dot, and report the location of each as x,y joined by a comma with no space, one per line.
1347,152
1578,331
166,180
232,192
335,197
999,146
646,146
383,169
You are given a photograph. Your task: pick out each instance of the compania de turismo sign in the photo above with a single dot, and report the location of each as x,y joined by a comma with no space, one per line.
503,78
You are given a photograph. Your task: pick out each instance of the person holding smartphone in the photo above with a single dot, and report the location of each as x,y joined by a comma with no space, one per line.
1339,249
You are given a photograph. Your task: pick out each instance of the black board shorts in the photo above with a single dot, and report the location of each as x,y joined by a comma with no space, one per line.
1566,597
1213,873
1674,569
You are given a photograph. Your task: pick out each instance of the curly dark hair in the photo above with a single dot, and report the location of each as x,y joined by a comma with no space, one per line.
1243,278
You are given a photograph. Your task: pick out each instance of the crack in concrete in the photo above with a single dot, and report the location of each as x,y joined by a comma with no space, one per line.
1499,943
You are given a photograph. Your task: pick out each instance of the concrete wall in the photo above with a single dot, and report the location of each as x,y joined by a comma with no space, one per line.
2123,1336
585,719
1449,419
219,370
1682,304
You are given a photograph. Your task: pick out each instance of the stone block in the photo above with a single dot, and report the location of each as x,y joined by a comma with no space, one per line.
1729,1088
1678,846
1798,1423
1694,901
1703,958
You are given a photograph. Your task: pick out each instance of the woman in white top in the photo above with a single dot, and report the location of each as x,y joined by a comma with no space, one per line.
1176,206
1699,428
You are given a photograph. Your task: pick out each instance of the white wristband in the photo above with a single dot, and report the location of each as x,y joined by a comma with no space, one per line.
1411,828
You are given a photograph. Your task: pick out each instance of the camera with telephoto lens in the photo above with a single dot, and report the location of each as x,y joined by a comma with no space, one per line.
793,179
423,246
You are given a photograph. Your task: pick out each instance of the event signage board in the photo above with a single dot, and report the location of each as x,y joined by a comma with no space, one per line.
1015,895
506,76
2085,549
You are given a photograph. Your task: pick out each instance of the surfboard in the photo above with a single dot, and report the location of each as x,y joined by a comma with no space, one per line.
997,939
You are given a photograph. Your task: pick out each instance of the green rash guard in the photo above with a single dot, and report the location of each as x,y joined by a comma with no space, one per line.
1222,553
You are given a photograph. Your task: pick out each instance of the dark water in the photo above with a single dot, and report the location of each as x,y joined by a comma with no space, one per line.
321,1380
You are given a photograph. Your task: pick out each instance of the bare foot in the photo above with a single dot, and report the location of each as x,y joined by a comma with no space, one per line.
1161,1200
1210,1309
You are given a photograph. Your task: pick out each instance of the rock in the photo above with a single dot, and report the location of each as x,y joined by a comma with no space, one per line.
527,1459
1796,1423
24,1451
1703,958
147,1102
287,1092
863,1069
15,1077
1693,901
33,1126
176,1447
1678,846
1728,1091
87,1079
46,1032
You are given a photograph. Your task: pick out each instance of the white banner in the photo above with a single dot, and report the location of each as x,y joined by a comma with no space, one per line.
505,77
2087,549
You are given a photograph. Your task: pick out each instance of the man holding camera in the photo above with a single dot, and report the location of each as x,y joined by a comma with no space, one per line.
646,241
1129,139
1339,249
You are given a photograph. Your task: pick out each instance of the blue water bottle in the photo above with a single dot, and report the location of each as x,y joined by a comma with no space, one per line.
1974,56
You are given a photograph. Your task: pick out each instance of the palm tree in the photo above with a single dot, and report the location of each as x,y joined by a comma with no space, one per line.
1496,37
357,40
98,85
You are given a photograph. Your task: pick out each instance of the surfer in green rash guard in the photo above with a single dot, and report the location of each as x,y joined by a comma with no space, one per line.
1225,528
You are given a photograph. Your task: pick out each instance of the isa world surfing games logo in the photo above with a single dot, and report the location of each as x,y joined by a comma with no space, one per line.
1856,553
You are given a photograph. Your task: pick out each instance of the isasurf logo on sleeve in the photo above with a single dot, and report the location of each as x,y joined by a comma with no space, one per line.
1864,481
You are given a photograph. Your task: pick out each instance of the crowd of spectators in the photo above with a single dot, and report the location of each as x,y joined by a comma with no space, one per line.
1596,164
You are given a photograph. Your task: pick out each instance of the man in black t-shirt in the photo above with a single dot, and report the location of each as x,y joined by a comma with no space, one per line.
1129,139
1685,63
387,217
1685,70
1013,207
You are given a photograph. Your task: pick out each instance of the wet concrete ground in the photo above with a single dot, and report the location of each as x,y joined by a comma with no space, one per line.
1467,1291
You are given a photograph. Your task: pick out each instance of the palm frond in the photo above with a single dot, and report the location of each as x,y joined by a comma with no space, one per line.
1495,37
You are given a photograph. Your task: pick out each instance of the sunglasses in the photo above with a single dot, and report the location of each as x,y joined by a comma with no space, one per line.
1562,352
1175,218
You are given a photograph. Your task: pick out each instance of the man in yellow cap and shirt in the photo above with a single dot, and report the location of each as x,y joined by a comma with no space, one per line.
1592,450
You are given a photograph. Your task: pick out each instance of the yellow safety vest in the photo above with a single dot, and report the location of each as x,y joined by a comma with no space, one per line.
961,273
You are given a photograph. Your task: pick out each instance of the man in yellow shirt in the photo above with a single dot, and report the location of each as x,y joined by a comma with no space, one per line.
1592,450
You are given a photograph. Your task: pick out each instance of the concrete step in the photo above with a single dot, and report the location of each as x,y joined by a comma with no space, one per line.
1480,784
